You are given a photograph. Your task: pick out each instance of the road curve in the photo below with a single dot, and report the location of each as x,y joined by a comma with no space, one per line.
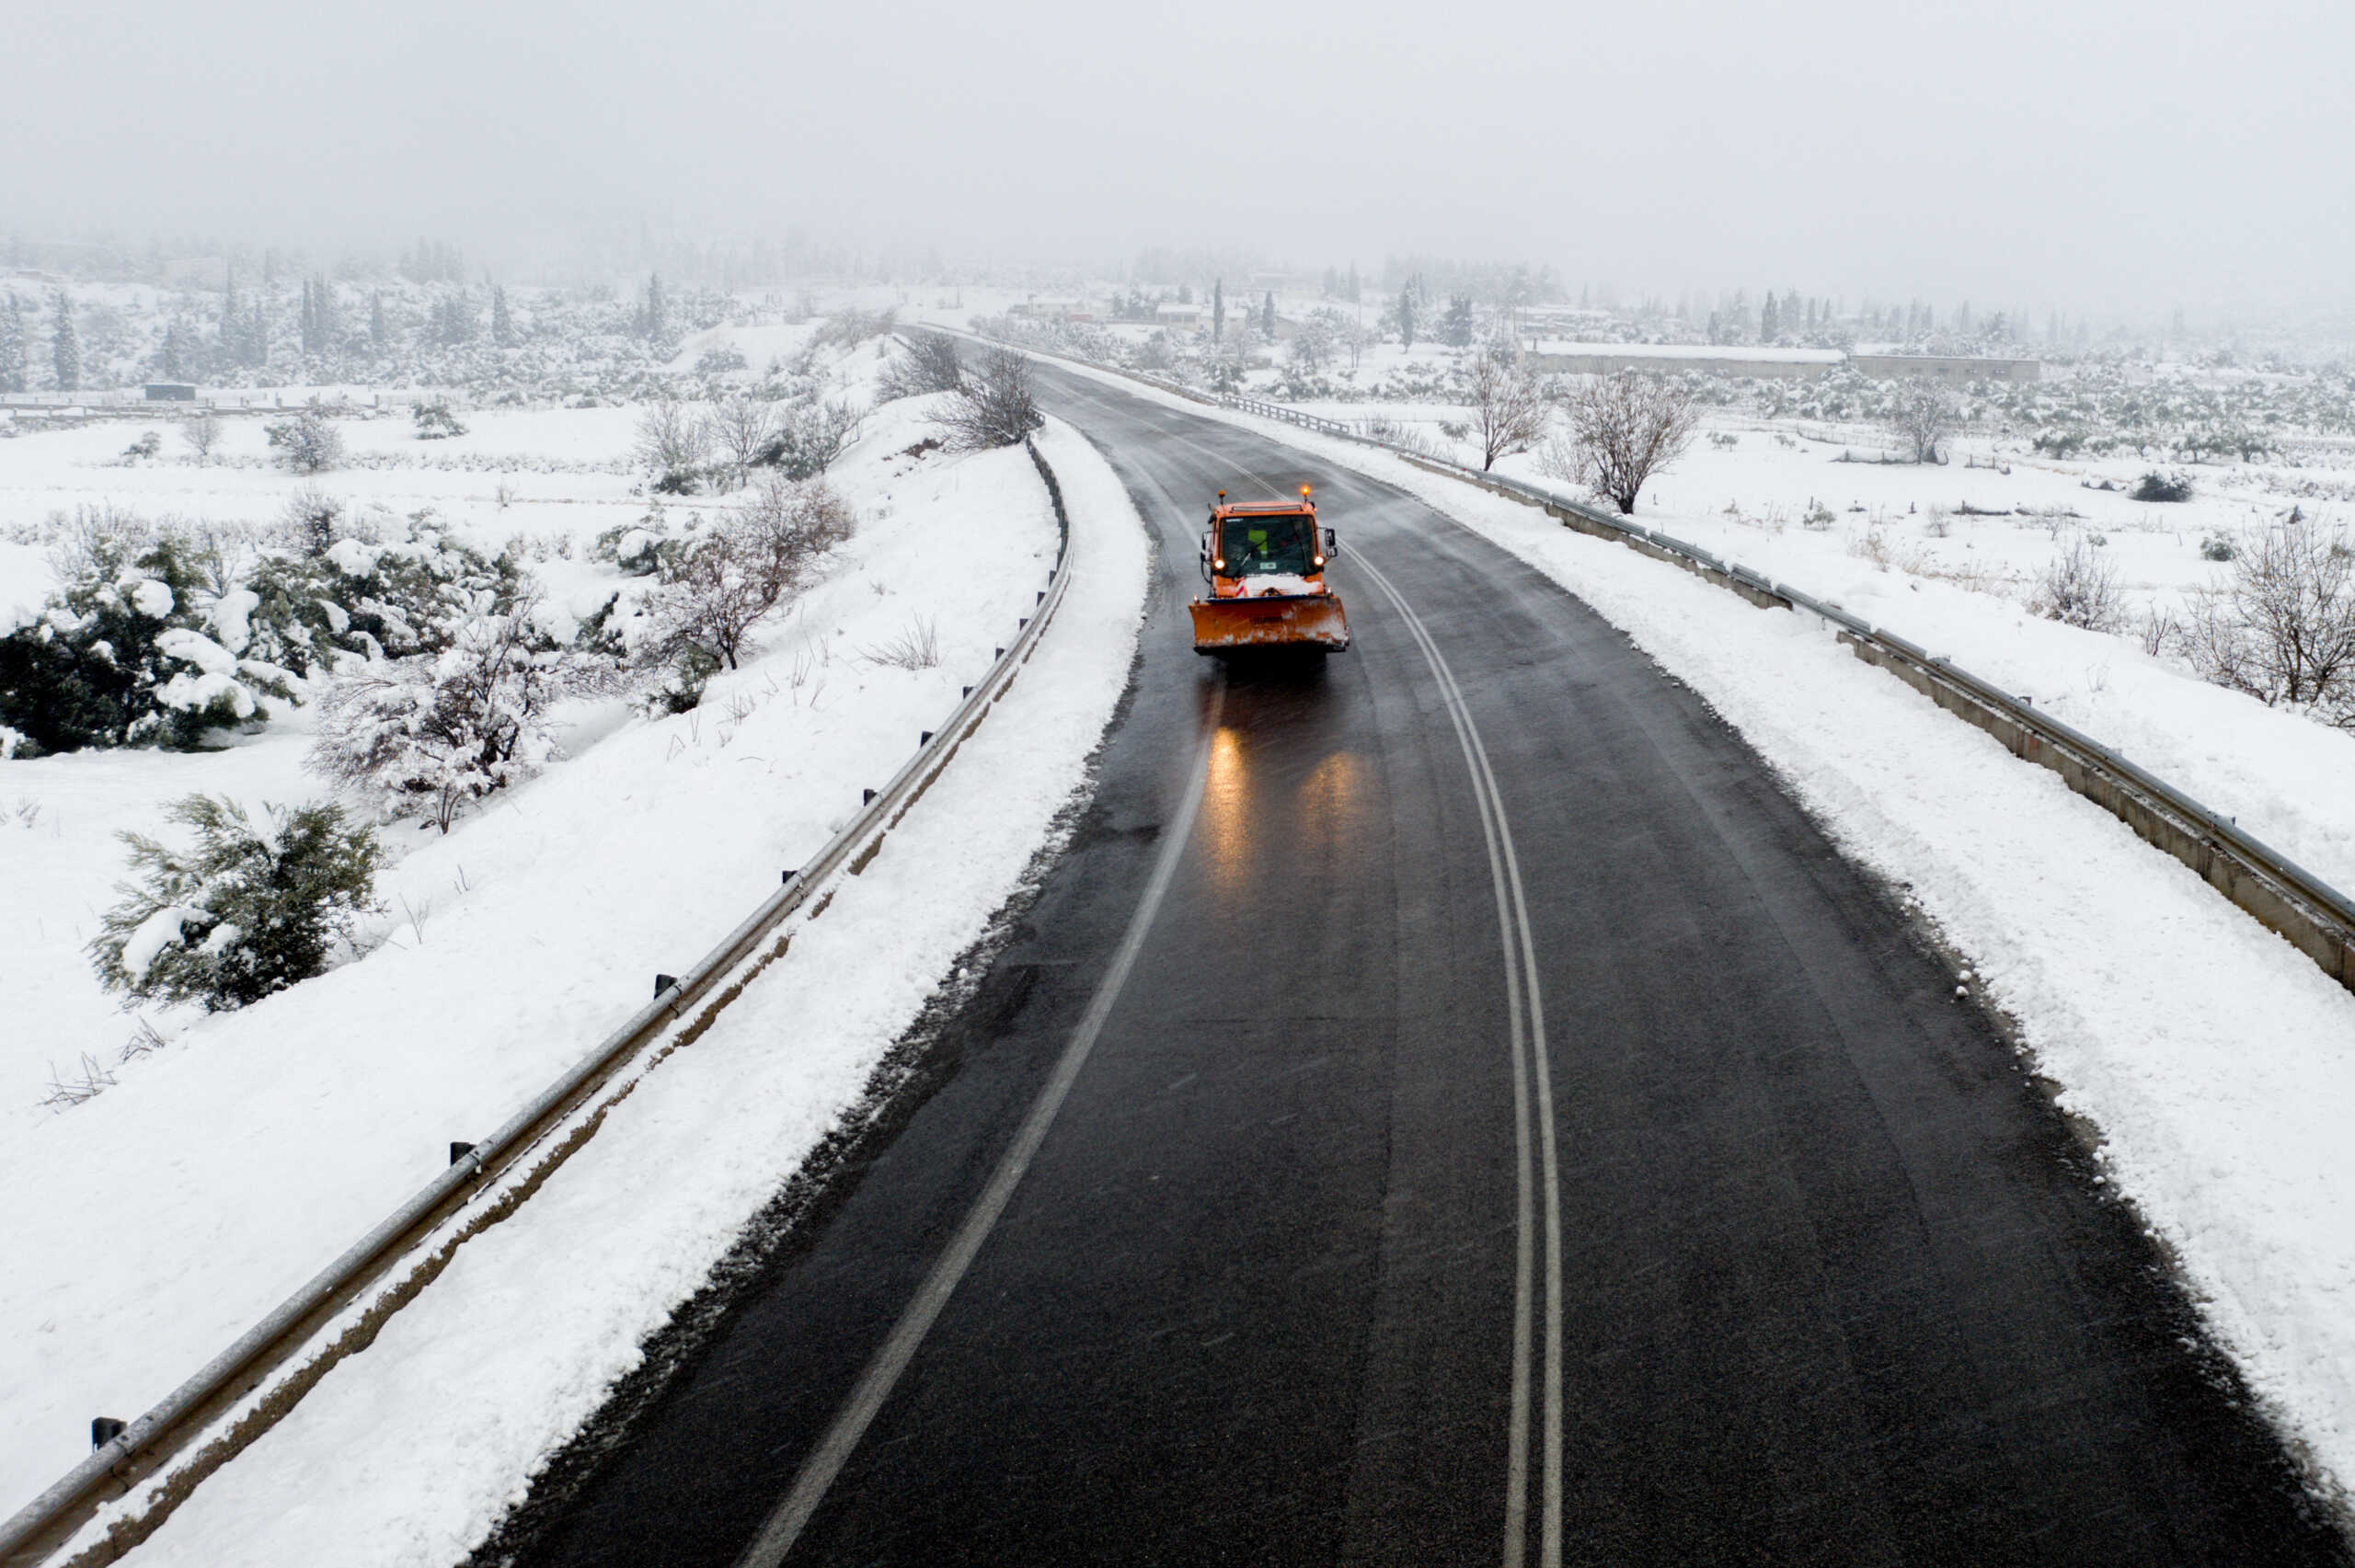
1514,1135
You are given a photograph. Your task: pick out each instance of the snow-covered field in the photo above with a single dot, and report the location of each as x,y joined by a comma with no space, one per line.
150,1225
2217,1062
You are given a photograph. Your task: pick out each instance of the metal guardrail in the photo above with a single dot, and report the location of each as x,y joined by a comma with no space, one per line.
153,1441
2284,897
2313,916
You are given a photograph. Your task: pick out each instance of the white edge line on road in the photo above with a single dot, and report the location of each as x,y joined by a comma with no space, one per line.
882,1373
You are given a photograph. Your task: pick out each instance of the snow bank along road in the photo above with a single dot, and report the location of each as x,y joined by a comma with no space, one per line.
1520,1134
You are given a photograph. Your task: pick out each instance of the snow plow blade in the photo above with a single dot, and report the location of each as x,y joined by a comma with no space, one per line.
1304,621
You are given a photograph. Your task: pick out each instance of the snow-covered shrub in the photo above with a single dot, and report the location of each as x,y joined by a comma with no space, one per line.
250,908
2282,627
2080,588
810,438
996,405
375,598
435,421
2156,486
926,363
308,443
1923,415
723,581
149,443
431,732
126,652
849,327
308,523
638,549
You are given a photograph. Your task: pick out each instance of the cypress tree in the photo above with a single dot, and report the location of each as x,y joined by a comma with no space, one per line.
1218,310
1267,317
379,331
503,325
12,345
66,351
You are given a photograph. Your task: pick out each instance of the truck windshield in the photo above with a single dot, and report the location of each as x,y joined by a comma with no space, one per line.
1268,546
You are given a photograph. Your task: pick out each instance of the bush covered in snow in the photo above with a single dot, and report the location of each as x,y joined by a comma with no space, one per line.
162,633
435,421
993,406
637,549
2080,588
926,362
428,733
144,644
308,443
250,908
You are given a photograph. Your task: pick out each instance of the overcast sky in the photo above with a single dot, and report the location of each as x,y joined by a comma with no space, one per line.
2092,155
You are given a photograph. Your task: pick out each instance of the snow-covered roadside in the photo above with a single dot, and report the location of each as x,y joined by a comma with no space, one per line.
2217,1062
148,1228
407,1454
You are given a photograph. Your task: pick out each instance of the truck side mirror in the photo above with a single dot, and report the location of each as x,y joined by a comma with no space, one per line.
1332,544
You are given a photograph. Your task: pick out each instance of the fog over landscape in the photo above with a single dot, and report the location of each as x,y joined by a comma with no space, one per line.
792,785
2083,156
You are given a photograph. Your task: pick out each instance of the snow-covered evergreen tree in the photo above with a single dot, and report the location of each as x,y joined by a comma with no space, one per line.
65,346
14,350
502,324
249,910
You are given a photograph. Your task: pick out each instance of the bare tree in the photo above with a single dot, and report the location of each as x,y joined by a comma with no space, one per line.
1923,415
811,437
673,445
201,434
995,407
1624,429
2282,627
744,428
928,364
1509,410
723,581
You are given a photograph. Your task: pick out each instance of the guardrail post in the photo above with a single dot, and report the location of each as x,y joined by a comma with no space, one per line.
459,1151
664,982
104,1429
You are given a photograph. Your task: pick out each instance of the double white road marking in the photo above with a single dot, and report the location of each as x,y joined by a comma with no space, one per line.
1536,1167
1526,1003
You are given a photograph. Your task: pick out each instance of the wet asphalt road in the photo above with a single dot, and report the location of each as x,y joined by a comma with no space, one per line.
1800,1268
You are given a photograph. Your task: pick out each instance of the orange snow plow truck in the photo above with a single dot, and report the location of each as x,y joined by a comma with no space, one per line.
1266,565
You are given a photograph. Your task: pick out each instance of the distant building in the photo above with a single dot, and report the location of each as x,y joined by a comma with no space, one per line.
1053,310
170,392
1947,367
1702,358
1790,364
1170,313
